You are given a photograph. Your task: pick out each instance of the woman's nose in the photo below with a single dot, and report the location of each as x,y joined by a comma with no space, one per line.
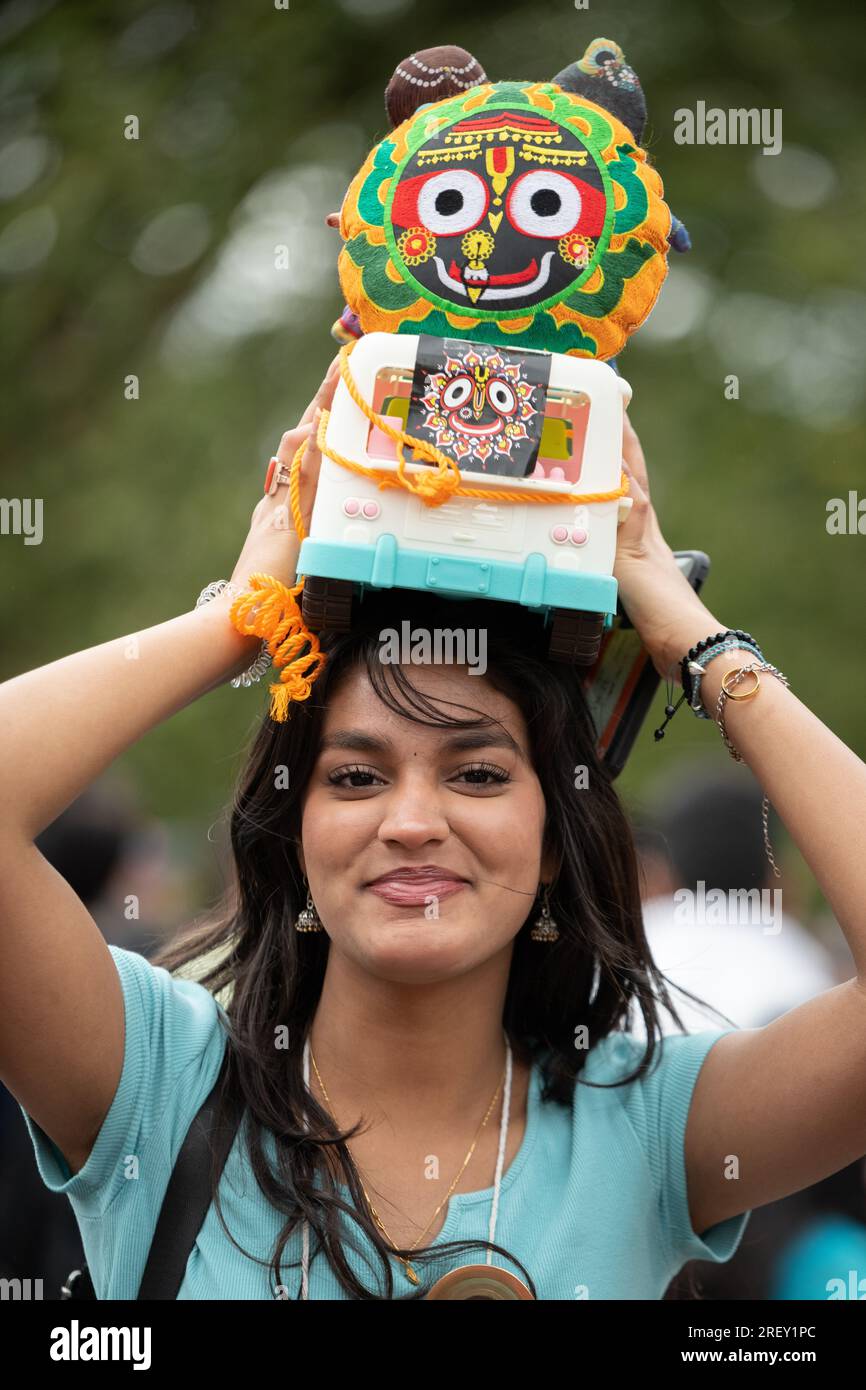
414,813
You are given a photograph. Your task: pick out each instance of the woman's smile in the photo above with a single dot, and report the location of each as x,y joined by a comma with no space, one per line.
420,887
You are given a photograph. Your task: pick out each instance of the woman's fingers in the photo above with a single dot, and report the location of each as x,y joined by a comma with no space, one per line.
309,421
292,441
637,492
633,529
306,431
325,394
633,454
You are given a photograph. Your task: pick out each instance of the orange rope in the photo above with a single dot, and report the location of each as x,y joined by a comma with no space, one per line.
437,487
269,609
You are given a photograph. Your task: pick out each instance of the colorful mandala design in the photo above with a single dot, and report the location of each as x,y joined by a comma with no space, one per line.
509,408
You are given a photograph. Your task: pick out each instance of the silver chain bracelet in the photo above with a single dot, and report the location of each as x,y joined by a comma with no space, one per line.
263,662
732,678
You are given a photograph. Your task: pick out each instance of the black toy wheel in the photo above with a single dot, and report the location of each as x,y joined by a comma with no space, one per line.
326,604
575,637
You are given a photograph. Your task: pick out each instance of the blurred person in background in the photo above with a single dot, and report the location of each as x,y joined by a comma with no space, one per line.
705,828
803,1247
755,962
114,861
829,1243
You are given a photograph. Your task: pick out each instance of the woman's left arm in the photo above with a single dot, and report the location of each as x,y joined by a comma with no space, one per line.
787,1100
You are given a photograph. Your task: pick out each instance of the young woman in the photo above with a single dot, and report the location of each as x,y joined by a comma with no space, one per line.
422,980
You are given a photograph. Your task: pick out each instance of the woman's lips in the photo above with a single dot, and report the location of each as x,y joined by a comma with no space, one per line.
415,892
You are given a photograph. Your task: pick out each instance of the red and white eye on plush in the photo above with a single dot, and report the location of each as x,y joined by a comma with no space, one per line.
501,396
457,392
448,203
544,203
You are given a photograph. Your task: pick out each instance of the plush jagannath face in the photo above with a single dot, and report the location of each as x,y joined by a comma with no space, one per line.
501,211
514,212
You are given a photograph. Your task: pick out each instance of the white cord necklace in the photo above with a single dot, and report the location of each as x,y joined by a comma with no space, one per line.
500,1162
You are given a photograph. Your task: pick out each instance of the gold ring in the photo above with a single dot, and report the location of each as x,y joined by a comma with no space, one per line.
278,475
744,695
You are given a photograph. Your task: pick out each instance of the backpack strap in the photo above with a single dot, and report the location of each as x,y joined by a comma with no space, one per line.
188,1196
200,1162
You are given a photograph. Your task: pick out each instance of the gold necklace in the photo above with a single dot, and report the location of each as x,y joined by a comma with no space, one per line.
410,1272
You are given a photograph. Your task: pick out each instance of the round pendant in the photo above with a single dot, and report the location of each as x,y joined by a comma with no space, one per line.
484,1282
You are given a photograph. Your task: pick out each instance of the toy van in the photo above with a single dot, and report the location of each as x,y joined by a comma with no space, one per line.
555,558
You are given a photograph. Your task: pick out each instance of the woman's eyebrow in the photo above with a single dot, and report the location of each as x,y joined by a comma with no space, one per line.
484,738
362,741
356,739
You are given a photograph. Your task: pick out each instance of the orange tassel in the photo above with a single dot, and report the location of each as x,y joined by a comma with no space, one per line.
269,609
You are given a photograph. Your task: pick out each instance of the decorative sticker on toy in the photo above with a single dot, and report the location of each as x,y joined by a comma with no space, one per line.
482,405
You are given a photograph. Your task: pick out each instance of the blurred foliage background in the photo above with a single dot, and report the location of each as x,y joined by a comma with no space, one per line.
154,257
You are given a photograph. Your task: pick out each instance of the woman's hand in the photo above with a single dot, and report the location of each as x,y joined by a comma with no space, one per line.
272,545
660,602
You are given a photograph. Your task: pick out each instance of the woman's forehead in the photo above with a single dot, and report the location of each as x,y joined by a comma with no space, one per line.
355,704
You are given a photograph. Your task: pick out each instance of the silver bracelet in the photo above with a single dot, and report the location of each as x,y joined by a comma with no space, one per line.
263,662
697,668
733,677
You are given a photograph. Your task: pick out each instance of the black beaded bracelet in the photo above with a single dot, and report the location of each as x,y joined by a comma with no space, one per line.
694,652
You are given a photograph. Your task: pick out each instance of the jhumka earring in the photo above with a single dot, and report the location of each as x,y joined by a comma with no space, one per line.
308,918
545,928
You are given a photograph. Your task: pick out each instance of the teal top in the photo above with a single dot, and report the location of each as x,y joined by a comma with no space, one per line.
594,1202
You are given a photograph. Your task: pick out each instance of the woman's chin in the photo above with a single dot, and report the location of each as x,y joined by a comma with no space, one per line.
405,946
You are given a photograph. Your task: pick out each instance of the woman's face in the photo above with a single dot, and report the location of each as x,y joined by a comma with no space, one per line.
465,806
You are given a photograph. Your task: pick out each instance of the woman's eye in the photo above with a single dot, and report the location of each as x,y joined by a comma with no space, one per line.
359,778
337,778
484,774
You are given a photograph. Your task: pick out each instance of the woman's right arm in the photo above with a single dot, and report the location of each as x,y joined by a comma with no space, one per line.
61,1006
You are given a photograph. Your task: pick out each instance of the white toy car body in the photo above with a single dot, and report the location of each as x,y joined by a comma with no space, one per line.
555,557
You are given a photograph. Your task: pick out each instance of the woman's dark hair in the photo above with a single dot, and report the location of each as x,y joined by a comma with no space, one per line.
589,977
